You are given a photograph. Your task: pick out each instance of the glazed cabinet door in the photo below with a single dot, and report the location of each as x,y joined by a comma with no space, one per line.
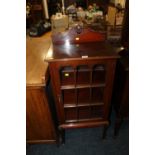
82,89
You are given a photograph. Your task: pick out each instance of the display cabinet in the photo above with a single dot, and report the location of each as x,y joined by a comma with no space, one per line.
82,79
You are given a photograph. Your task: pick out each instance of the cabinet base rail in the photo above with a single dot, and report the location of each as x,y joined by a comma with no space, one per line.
40,141
83,125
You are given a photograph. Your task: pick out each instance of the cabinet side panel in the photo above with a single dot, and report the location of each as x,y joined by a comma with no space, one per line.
39,124
110,72
55,85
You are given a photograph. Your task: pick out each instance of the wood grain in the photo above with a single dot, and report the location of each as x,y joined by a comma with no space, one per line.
84,125
39,123
70,54
36,49
87,51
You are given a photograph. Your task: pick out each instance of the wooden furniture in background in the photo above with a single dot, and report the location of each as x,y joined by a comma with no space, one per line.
82,76
36,12
120,99
121,85
39,120
111,15
125,30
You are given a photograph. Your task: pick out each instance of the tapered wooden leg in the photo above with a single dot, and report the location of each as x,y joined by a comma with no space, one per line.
117,126
27,145
62,136
105,131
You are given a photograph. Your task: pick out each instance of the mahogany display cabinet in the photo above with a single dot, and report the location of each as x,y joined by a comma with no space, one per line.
82,76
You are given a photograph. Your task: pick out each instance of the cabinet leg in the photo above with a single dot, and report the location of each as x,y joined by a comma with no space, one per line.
62,136
117,126
104,131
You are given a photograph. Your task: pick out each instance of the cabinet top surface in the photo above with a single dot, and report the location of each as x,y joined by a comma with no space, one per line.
36,49
94,50
73,46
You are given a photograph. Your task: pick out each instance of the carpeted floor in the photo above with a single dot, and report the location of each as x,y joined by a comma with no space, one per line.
87,142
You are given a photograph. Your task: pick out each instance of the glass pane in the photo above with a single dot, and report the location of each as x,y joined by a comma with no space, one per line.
67,75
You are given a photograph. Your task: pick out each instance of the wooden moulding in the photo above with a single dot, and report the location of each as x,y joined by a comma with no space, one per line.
84,124
87,35
82,86
40,141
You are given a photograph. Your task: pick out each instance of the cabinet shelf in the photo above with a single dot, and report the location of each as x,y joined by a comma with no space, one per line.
90,119
67,75
71,70
81,76
71,121
98,74
99,69
98,85
67,69
81,112
68,87
84,120
82,86
82,105
91,104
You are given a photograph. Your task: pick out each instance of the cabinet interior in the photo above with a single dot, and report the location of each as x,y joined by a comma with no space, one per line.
82,92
